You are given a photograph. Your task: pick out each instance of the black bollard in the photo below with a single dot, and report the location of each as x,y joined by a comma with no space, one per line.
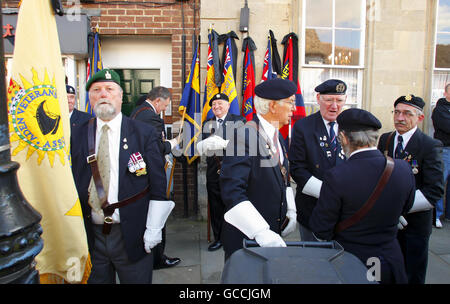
20,231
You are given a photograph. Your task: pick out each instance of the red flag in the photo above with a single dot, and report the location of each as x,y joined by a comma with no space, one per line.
290,72
249,86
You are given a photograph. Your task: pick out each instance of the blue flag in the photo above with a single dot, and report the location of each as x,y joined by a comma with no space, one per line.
94,65
190,109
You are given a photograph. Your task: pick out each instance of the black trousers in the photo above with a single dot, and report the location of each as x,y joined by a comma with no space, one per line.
216,207
415,252
158,250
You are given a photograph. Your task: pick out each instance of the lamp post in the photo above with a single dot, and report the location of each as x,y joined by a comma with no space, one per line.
20,230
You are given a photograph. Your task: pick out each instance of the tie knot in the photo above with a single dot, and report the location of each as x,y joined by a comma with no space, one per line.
220,120
400,139
105,128
331,123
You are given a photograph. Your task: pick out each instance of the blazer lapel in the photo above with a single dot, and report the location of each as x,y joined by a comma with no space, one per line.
322,137
126,145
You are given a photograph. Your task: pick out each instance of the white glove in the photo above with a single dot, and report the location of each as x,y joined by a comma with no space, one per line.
169,161
212,143
158,212
249,221
420,203
312,187
291,212
402,223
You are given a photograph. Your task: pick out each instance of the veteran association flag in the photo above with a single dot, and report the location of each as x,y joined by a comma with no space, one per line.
267,65
190,109
290,71
40,135
94,63
229,85
248,82
211,84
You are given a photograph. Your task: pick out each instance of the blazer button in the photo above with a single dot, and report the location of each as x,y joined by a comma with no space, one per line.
278,220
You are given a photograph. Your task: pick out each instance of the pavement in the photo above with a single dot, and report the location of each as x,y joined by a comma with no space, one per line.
187,239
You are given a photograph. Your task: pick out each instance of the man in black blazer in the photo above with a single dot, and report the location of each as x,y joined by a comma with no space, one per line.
76,117
158,99
129,172
346,189
259,202
315,148
214,141
424,155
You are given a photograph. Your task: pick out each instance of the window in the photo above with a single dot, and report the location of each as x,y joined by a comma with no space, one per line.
333,44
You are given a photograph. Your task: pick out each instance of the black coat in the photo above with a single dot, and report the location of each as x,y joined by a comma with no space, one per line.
345,190
148,115
79,117
247,176
133,217
427,153
210,128
441,121
308,157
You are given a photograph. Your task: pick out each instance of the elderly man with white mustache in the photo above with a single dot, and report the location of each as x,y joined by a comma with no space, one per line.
120,179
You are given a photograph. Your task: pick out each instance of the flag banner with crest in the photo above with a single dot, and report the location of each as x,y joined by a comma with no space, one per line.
39,127
94,63
190,109
290,71
248,81
213,79
229,85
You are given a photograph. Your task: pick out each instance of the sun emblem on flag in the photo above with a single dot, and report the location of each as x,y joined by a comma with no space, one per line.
35,118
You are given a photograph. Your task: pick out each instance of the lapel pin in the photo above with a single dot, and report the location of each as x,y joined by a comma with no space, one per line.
125,146
124,139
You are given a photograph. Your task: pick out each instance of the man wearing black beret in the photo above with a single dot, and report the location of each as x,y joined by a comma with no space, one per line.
76,117
215,139
343,194
255,185
315,148
424,156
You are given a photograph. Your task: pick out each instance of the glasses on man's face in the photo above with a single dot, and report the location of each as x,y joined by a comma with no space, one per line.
290,102
330,100
404,113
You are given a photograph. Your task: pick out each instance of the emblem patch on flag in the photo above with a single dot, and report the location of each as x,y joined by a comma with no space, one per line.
35,118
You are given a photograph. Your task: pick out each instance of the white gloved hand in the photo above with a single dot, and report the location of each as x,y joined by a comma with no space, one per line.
291,213
402,223
158,212
212,143
268,238
312,187
169,161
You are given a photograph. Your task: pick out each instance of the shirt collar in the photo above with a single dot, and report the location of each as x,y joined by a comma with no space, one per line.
268,128
223,117
363,150
406,136
151,105
114,124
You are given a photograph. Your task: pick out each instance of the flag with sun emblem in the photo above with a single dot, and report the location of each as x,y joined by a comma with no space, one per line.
40,136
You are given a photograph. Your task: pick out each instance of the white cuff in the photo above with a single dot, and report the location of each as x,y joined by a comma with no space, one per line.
420,203
158,212
173,143
247,219
290,199
312,187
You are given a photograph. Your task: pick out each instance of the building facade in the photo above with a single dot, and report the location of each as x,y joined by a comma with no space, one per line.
381,48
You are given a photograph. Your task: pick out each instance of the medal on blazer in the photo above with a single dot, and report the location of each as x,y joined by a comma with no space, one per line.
415,166
136,164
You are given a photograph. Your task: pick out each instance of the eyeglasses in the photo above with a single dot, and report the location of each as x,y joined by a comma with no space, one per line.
330,101
405,113
290,102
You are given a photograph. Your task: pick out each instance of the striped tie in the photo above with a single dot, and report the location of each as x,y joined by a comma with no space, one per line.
399,150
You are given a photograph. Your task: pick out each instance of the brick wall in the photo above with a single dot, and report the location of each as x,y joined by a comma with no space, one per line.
138,17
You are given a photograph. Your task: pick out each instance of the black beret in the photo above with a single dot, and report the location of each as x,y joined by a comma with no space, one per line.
275,89
218,96
411,100
70,89
357,120
332,87
104,75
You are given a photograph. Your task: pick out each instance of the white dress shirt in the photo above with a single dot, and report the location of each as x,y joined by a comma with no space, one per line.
270,131
114,149
335,127
406,137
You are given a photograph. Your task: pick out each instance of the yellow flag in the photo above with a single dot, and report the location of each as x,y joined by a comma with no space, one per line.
40,137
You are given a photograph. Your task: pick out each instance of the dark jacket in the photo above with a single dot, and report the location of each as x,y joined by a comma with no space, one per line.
78,118
345,190
133,217
441,121
247,176
424,153
308,157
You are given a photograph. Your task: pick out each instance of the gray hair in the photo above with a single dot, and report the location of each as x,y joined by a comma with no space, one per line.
359,139
158,92
262,104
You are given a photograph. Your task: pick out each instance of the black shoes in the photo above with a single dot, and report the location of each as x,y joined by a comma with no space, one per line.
214,246
167,262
